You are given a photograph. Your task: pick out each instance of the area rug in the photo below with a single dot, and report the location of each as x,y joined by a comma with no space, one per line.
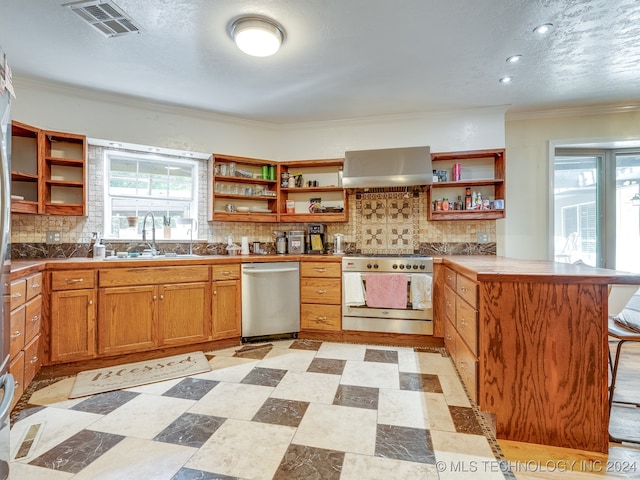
128,375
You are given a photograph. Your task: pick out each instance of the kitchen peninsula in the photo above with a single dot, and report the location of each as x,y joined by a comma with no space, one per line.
529,338
533,350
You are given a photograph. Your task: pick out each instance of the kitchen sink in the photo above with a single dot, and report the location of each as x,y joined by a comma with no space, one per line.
166,256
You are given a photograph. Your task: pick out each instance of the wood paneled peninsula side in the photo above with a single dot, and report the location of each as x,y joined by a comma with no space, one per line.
530,341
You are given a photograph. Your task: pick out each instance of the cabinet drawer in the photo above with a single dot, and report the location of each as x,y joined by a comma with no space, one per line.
34,285
450,278
467,367
116,277
320,317
467,324
467,289
16,368
17,331
450,335
72,279
225,272
33,315
450,304
18,293
320,269
320,290
32,360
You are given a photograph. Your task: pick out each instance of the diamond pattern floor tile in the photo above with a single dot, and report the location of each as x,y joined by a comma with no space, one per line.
292,409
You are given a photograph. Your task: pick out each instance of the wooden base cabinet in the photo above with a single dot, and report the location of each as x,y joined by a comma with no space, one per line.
461,327
320,296
184,316
25,357
147,308
227,302
127,319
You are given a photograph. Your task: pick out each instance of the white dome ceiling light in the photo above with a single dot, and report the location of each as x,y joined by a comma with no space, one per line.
257,36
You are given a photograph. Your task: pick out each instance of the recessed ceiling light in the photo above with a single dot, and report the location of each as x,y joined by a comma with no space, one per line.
543,29
257,36
506,80
514,58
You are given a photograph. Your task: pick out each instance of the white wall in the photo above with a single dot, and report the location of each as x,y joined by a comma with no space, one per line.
525,232
121,119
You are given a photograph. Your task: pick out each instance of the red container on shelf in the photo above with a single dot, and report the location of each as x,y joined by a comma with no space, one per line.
457,169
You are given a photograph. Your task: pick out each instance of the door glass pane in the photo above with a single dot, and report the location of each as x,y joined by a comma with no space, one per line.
576,222
628,212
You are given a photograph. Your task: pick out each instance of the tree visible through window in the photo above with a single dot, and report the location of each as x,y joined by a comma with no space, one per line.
139,183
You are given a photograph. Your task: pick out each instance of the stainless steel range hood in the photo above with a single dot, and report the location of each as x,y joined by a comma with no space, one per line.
389,167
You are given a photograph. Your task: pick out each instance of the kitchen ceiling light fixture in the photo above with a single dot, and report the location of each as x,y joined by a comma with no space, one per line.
257,36
543,29
506,80
514,58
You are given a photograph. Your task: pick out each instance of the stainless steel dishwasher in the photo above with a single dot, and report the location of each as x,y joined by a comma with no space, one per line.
270,299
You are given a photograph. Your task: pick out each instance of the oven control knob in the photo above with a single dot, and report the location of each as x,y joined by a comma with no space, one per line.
395,266
401,267
375,265
368,265
422,267
415,267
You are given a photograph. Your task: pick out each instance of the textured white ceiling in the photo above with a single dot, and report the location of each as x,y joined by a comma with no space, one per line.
342,58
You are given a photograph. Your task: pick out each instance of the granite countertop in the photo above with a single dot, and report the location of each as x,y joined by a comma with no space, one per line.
24,267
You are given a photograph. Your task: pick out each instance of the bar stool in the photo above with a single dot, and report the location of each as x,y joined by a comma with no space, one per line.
623,335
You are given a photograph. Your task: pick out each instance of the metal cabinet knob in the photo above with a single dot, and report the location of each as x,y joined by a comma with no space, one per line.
35,319
74,280
35,285
34,360
90,302
16,295
16,334
321,291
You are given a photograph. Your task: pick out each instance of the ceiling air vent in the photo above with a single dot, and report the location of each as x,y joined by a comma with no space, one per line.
105,16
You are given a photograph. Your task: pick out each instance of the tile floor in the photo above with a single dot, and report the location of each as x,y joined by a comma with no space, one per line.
292,409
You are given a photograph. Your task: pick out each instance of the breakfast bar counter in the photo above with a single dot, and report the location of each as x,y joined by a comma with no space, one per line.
535,350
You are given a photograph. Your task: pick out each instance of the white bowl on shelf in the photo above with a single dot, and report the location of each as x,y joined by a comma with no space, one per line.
242,209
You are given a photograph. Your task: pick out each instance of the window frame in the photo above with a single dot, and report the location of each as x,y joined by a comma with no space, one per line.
159,158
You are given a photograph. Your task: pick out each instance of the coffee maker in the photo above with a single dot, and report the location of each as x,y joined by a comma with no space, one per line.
317,237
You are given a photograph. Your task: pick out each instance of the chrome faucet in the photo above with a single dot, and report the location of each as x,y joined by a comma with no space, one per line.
190,241
151,245
190,230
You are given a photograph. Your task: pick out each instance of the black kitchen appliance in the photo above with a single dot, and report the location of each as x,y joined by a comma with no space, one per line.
317,237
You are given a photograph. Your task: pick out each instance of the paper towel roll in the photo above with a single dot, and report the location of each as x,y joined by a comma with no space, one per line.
245,246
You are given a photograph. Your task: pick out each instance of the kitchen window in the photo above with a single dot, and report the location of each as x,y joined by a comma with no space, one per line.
139,183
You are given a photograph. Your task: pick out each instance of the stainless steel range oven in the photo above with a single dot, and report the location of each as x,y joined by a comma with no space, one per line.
415,318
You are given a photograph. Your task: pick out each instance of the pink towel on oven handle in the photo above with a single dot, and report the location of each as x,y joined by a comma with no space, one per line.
386,290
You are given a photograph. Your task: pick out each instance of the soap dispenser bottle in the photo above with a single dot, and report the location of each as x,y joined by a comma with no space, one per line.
99,249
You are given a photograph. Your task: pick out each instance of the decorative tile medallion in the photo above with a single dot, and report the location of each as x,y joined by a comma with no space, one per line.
387,222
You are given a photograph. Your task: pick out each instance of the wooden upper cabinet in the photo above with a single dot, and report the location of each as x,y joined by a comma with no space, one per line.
241,182
64,173
482,171
253,190
317,196
49,171
25,169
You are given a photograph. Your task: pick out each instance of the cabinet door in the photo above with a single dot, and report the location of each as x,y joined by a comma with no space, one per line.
73,325
226,309
127,321
184,313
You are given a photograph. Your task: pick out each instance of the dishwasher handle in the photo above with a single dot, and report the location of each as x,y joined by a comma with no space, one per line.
267,270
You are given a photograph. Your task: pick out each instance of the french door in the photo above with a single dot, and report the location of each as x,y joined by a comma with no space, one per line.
596,208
